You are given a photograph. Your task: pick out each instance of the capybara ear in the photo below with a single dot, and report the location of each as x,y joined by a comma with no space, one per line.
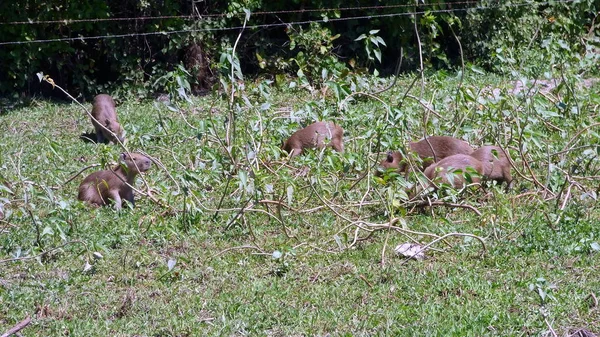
124,156
107,122
390,157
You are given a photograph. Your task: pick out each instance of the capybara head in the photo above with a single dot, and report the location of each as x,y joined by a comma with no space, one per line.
393,160
104,98
115,128
496,163
136,162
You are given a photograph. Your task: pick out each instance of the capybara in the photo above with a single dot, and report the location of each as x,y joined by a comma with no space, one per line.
313,136
104,113
441,171
496,165
443,146
101,186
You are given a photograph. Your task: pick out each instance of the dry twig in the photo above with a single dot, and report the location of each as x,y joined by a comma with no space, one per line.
43,253
442,238
234,248
20,326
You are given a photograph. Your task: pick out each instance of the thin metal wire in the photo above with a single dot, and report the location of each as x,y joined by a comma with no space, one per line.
195,17
85,38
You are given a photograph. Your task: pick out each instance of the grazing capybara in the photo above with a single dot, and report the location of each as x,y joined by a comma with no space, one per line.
104,114
101,186
496,165
443,146
441,171
313,136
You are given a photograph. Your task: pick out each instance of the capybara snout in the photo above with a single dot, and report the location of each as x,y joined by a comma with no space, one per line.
496,163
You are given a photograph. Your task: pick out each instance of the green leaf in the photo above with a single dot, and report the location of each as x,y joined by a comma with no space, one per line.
361,37
290,194
477,70
377,54
47,231
338,240
243,176
5,189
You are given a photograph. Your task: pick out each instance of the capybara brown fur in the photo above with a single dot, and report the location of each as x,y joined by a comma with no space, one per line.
441,171
496,165
443,146
314,136
101,186
103,111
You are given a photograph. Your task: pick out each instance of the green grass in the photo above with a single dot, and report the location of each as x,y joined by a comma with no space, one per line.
225,280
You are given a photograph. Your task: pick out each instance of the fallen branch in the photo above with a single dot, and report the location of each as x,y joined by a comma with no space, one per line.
366,281
550,328
443,237
449,204
424,105
42,253
234,248
80,172
20,326
594,303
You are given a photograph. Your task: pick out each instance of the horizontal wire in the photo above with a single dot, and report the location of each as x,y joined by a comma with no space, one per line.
84,38
194,17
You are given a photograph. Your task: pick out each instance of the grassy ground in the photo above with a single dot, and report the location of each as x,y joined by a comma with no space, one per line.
259,245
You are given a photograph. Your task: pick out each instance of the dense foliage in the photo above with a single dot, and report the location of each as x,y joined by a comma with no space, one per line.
490,32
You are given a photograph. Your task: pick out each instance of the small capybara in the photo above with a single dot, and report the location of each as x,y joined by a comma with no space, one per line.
443,146
496,165
104,114
101,186
313,136
440,171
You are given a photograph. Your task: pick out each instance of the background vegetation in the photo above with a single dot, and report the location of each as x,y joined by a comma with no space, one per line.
229,237
83,58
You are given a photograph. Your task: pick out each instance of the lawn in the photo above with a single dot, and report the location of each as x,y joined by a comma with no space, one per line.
231,237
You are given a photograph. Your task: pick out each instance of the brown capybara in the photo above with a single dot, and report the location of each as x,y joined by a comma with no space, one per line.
496,165
441,171
313,136
101,186
104,114
443,146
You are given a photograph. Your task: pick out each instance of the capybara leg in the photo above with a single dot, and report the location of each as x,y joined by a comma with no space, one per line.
117,199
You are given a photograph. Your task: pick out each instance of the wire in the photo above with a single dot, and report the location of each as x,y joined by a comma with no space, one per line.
192,17
85,38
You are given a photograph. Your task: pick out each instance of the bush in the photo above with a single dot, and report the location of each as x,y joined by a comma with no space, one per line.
500,36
